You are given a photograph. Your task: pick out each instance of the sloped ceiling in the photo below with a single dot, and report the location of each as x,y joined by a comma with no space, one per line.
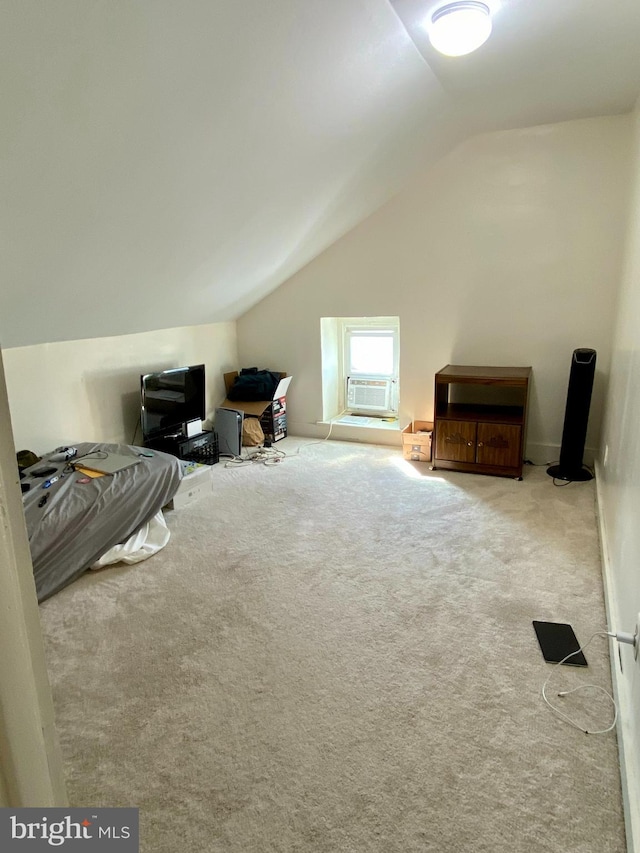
170,163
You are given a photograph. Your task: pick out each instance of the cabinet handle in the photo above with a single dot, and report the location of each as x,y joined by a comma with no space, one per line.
469,444
481,444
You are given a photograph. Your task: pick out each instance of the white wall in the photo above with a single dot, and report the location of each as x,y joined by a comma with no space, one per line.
89,390
619,480
506,252
168,160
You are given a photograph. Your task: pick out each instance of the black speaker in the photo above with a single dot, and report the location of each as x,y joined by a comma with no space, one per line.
576,418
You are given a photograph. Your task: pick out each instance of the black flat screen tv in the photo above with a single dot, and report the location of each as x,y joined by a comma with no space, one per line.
170,398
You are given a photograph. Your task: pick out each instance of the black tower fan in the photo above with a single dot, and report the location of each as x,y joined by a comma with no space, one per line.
576,418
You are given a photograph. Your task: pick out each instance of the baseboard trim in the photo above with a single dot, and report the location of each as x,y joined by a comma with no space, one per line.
344,432
538,454
626,746
547,454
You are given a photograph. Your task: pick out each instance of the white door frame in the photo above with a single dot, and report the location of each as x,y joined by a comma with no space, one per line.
30,762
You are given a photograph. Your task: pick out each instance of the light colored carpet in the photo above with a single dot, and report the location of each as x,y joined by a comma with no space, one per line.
336,654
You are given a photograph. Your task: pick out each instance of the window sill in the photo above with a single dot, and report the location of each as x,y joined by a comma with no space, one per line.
346,419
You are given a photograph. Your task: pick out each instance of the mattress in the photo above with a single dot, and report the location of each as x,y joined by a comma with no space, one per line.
76,519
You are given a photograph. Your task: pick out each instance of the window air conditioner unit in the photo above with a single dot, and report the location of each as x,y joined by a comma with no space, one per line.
368,395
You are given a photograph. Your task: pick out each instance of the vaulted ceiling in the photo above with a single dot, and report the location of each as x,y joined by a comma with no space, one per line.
170,163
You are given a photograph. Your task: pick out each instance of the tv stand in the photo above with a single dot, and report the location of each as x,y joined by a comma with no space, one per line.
480,419
198,448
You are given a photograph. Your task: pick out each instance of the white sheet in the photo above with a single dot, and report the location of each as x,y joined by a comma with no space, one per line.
144,543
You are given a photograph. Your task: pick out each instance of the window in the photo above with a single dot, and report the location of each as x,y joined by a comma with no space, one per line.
370,351
360,365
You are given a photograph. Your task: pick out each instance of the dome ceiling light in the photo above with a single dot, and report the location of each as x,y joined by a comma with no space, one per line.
459,28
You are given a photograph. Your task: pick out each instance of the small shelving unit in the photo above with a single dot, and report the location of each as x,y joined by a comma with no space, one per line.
480,418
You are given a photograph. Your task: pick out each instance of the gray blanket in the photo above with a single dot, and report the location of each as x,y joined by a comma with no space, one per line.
80,521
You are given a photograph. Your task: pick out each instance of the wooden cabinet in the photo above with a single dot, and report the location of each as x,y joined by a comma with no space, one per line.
480,418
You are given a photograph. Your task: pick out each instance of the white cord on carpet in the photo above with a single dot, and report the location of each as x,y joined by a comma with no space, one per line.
266,455
270,455
581,687
309,443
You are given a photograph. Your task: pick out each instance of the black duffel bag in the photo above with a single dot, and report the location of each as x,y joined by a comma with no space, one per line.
253,384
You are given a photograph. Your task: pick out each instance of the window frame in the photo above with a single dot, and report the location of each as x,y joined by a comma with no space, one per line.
371,326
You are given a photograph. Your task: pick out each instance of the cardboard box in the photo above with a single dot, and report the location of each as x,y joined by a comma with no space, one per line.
197,481
274,426
272,413
416,441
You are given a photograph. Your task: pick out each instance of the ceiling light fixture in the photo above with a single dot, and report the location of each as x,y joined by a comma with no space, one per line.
459,28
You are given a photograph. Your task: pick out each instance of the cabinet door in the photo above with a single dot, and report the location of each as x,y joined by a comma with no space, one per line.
499,444
456,441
